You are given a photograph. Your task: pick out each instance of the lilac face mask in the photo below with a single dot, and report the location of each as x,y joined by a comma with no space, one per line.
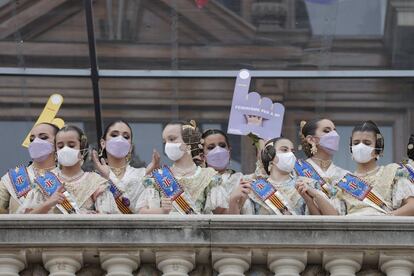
330,142
40,150
118,147
218,158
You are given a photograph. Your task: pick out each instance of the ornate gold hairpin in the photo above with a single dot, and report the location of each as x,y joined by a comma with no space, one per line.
191,124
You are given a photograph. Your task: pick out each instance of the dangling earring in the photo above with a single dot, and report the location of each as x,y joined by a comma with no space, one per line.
128,157
56,160
314,149
100,152
188,149
269,168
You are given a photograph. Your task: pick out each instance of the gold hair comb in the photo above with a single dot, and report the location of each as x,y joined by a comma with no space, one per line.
191,124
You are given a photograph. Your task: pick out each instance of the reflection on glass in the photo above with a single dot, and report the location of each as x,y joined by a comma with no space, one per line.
256,34
47,34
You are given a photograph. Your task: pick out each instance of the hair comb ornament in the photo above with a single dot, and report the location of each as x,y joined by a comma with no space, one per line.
191,124
302,125
301,136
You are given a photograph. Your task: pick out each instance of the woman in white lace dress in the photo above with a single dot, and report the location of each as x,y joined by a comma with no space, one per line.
202,185
113,164
86,191
393,191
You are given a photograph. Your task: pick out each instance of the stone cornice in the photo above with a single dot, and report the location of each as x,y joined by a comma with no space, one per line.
133,231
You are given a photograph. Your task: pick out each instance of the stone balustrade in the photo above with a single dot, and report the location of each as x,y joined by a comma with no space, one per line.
122,245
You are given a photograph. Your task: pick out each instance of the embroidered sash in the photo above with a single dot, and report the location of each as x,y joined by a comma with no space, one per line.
271,197
20,181
362,191
172,189
305,169
49,184
122,202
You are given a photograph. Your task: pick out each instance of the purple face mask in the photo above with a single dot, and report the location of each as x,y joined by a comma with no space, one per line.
330,142
118,147
218,158
40,150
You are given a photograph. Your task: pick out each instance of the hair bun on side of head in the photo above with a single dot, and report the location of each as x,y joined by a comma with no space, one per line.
304,145
410,147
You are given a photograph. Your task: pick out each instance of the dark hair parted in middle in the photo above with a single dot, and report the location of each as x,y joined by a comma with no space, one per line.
83,140
370,126
103,151
269,152
216,131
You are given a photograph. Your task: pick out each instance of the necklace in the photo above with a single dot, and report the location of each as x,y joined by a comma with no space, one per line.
277,183
182,172
324,164
72,178
118,171
368,172
39,171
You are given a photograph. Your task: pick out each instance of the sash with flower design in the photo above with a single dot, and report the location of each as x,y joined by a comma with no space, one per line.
172,189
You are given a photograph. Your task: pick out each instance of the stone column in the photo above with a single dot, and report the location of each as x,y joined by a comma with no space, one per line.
62,262
232,263
396,264
286,262
119,263
175,263
342,263
12,262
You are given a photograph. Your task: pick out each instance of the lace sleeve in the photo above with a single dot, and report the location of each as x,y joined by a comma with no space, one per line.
134,187
33,200
150,197
105,203
4,197
216,196
248,208
403,189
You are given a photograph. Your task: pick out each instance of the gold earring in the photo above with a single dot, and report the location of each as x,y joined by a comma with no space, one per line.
128,157
314,149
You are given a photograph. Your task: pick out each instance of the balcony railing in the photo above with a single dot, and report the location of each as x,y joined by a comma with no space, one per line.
227,245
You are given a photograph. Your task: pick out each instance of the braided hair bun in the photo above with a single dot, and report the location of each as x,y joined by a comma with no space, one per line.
410,147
